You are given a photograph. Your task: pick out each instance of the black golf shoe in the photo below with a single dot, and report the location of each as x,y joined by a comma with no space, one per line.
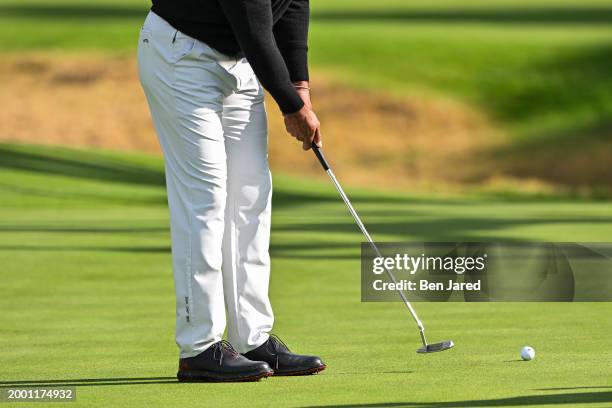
220,362
283,361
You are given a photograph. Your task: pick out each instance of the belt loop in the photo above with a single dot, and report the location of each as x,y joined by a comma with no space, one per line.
174,38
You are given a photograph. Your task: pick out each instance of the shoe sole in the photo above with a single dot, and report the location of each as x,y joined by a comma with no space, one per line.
202,376
310,371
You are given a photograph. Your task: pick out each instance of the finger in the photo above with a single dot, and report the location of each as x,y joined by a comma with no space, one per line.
311,135
305,145
318,140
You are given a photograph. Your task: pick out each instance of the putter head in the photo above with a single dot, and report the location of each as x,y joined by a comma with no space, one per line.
435,347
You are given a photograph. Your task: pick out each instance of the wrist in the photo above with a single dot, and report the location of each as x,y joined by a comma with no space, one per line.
301,85
297,112
303,89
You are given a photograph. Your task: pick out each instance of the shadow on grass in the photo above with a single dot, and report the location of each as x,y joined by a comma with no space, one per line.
444,229
65,248
364,373
94,382
586,387
573,154
283,197
531,15
98,167
91,166
576,158
313,250
522,401
276,251
89,382
158,199
501,15
87,166
571,81
450,229
83,230
73,11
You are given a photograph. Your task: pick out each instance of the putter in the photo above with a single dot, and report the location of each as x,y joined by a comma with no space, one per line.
427,347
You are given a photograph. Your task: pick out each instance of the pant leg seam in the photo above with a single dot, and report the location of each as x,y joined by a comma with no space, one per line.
189,309
236,260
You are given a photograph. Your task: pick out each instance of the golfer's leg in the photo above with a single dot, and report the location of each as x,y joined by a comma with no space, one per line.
246,262
185,103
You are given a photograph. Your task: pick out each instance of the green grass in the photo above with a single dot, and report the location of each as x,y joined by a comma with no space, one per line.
536,67
87,296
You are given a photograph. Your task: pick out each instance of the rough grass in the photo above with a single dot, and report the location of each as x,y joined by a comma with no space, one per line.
87,298
416,135
402,142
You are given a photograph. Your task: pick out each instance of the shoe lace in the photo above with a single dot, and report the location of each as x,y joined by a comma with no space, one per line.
277,341
222,347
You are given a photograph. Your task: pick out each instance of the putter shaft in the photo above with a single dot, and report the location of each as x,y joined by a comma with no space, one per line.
366,234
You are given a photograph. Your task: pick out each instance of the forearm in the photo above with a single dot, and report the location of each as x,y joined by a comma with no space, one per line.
251,21
291,34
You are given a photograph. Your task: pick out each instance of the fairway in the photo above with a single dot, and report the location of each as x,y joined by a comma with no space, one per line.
87,296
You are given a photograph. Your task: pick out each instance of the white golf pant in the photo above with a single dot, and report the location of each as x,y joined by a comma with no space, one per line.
209,115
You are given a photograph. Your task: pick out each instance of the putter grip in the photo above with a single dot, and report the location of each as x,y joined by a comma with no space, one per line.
320,156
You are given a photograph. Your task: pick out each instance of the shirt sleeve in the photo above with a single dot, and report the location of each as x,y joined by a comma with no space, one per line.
291,34
252,24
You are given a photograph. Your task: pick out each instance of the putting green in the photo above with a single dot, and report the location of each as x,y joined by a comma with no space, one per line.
87,296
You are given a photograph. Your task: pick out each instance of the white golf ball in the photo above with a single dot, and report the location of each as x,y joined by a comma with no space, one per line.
527,353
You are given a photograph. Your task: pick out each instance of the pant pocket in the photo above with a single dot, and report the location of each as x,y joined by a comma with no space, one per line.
244,72
145,36
182,46
240,70
144,50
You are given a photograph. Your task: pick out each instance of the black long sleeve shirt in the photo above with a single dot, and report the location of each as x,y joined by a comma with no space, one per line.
272,34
